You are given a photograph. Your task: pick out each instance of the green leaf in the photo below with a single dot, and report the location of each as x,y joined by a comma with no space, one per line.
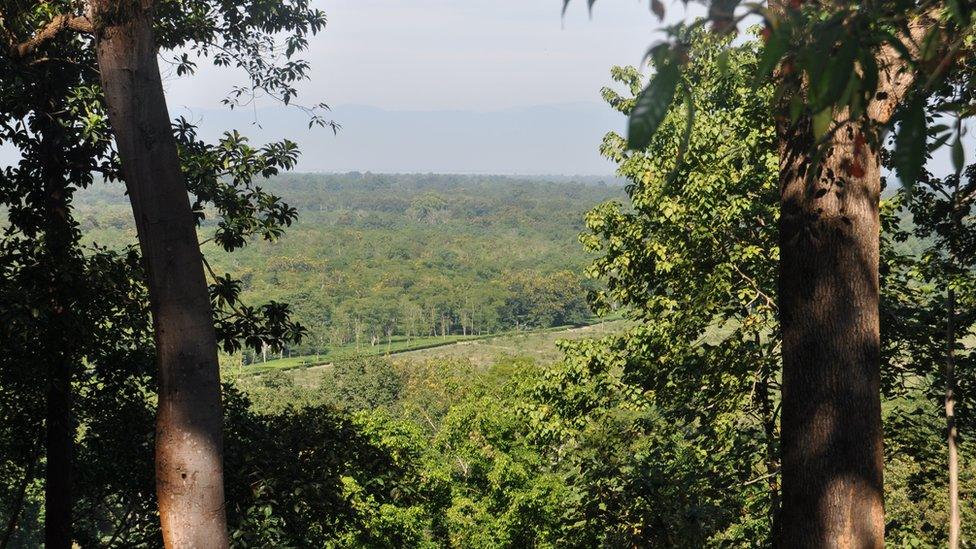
723,62
958,12
837,75
822,121
796,107
652,106
909,155
686,136
772,52
958,155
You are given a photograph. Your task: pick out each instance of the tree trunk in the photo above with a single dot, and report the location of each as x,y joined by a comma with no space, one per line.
767,412
60,446
189,446
828,299
831,436
58,241
951,432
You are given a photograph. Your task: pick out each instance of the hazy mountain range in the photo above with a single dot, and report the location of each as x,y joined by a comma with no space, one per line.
548,139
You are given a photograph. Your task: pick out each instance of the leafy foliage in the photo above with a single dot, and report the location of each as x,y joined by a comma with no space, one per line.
831,62
79,315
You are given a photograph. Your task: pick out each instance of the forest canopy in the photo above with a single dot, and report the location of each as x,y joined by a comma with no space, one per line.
377,256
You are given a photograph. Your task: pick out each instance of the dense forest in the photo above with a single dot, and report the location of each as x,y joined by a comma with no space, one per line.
795,366
375,256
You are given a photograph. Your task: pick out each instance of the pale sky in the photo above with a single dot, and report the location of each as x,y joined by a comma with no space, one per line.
458,54
451,86
442,86
459,86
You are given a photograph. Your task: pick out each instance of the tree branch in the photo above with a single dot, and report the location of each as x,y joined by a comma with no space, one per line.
60,23
895,72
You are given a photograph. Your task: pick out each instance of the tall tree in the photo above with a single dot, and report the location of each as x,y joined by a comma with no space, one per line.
55,159
189,440
943,308
842,72
690,261
53,54
59,238
830,184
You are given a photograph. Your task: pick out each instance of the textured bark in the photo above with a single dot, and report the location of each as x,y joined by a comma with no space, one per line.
57,25
831,446
189,469
828,295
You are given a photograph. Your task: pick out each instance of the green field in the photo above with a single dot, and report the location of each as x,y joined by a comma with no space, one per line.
397,344
540,345
482,350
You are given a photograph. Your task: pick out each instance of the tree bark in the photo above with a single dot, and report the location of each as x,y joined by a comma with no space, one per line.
60,448
828,300
829,233
951,431
189,446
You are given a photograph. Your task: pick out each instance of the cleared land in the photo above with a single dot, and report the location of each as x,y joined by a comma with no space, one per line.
480,350
540,345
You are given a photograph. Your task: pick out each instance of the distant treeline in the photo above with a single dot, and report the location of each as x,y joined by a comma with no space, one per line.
375,256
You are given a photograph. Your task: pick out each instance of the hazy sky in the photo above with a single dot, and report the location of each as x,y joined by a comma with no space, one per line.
466,60
441,86
472,86
458,54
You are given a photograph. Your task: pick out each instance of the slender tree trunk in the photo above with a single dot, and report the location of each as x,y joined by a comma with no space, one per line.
58,241
951,432
60,448
767,413
189,446
828,298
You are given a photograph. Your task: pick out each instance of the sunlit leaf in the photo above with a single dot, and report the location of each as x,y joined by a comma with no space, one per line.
723,62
